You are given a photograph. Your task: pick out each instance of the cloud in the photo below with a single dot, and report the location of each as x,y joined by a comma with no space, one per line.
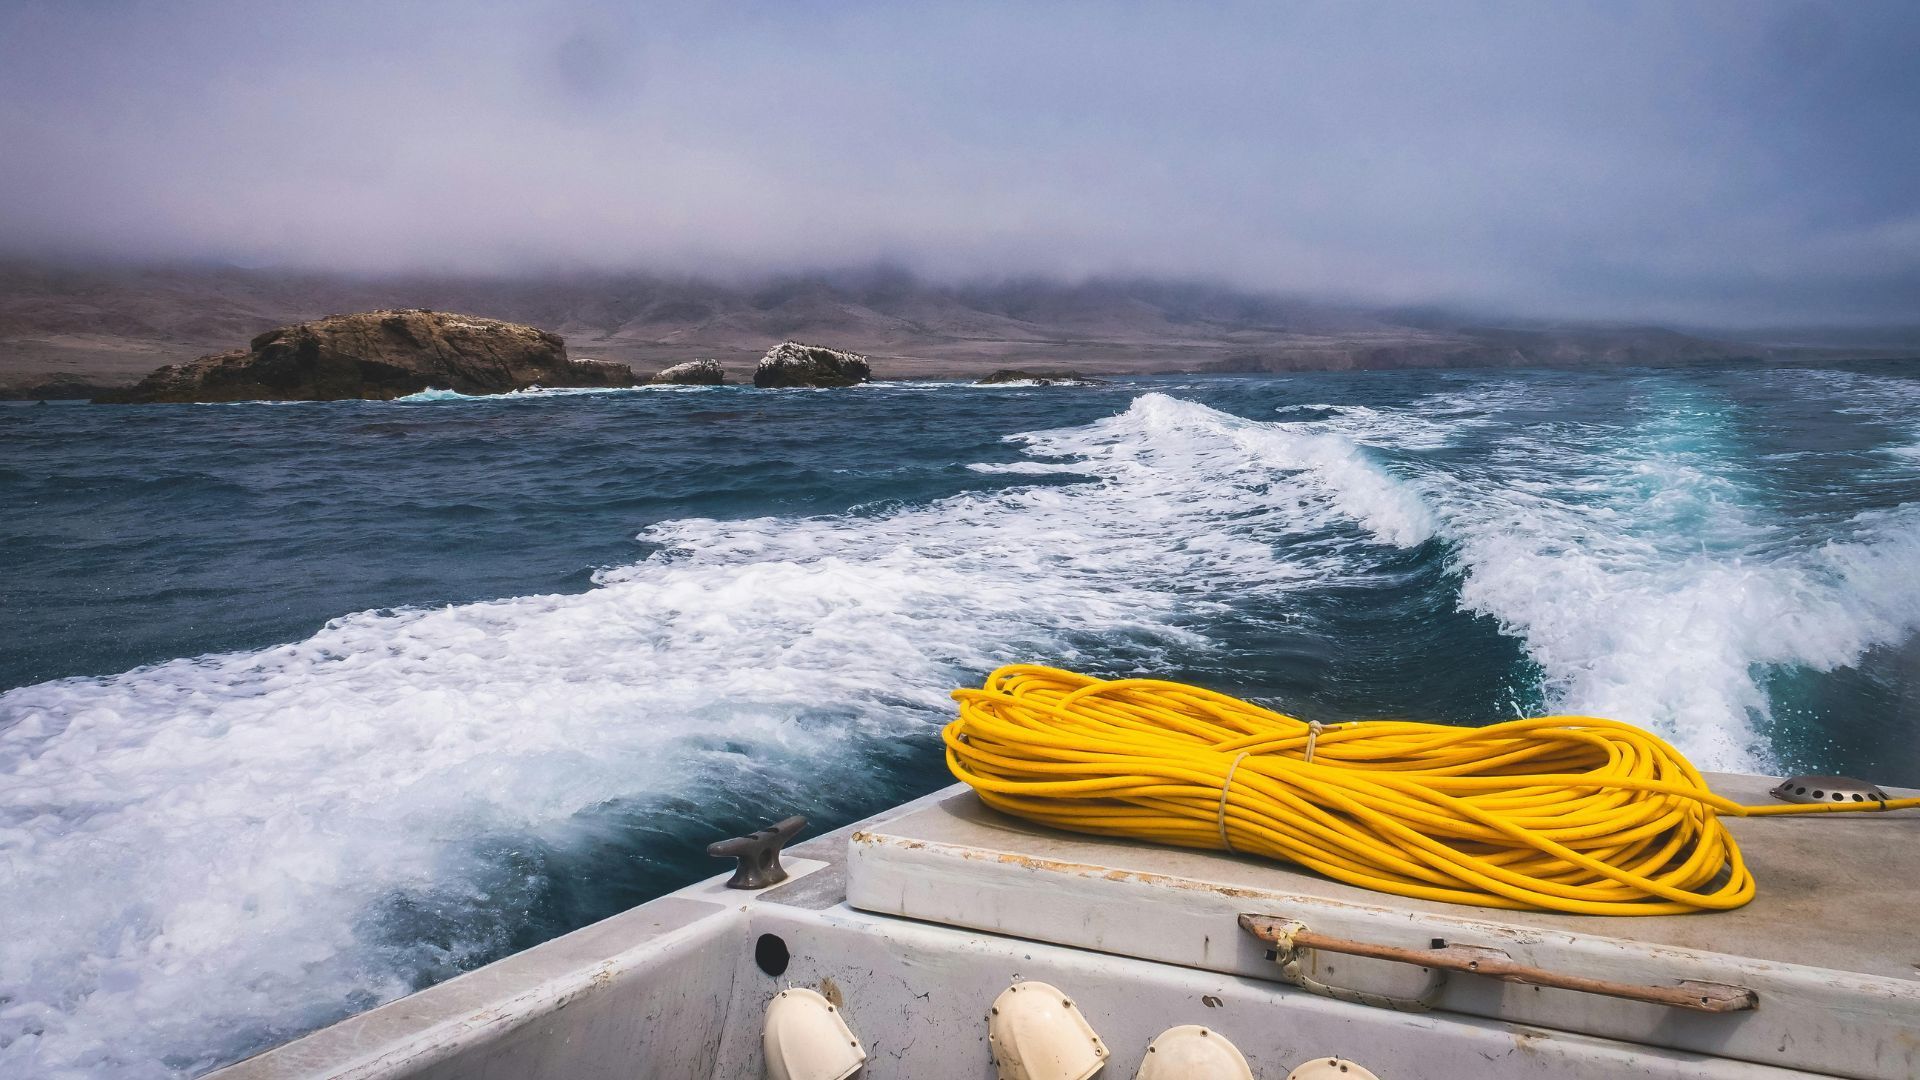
1739,161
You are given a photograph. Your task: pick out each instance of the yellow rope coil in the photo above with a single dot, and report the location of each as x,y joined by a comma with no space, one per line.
1560,813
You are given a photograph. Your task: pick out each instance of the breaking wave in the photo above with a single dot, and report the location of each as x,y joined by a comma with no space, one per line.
427,396
1643,570
267,810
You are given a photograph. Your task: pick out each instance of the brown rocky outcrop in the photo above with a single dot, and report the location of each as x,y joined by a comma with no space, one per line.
793,364
1037,378
55,388
692,373
379,355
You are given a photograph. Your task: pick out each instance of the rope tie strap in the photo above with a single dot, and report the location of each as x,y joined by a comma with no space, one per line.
1220,818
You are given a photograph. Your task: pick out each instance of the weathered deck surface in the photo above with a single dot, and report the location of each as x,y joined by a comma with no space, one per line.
1836,891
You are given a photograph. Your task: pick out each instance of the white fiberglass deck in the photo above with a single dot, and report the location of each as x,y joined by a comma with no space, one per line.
1146,938
1830,944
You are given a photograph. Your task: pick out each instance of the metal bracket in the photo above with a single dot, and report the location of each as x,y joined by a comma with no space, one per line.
759,854
1288,937
1828,790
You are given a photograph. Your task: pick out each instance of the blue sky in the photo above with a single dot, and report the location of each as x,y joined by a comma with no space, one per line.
1737,163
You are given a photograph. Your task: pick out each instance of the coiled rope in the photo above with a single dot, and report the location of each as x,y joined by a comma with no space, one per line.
1561,813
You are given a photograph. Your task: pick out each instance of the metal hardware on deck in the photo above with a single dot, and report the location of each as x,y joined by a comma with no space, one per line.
1332,1069
1827,789
759,854
1289,937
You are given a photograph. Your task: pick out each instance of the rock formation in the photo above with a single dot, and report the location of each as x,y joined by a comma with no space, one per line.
379,355
55,388
1038,378
794,364
692,373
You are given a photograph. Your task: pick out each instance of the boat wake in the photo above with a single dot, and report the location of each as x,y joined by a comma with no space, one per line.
285,821
1638,560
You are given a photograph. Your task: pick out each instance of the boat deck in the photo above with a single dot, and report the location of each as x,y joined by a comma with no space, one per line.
1833,888
1824,964
1145,937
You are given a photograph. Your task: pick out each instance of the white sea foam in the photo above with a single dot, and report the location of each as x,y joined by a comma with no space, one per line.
1634,560
203,853
1420,429
428,396
1891,399
1027,468
1631,609
950,384
1649,586
1894,402
1316,479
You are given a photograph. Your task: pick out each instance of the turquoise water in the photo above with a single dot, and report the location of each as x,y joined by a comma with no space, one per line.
306,706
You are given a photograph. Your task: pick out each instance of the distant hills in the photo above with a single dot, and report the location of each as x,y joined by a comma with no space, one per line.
111,326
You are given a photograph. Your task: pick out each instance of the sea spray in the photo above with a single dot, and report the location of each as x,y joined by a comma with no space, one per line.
1637,558
264,810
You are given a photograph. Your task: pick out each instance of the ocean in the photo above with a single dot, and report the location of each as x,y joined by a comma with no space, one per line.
305,706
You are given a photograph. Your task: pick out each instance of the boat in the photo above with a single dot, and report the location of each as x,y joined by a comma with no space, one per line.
901,945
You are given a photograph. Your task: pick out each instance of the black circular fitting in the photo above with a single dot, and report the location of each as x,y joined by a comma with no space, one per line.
771,954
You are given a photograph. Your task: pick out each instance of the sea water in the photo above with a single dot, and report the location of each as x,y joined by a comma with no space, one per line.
306,706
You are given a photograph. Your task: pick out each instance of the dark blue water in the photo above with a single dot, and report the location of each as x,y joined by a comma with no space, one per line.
315,704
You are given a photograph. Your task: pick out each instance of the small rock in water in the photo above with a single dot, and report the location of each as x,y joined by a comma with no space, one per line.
1037,378
45,388
692,373
793,364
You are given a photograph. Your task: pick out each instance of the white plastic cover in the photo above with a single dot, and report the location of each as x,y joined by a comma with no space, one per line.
806,1038
1035,1032
1191,1052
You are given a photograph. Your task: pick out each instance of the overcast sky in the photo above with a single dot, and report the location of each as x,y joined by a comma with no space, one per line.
1738,162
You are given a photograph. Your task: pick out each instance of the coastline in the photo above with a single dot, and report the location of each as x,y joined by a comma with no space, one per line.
65,331
27,375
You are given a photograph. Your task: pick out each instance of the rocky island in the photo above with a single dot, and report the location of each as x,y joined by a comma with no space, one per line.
691,373
793,364
378,355
1037,378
